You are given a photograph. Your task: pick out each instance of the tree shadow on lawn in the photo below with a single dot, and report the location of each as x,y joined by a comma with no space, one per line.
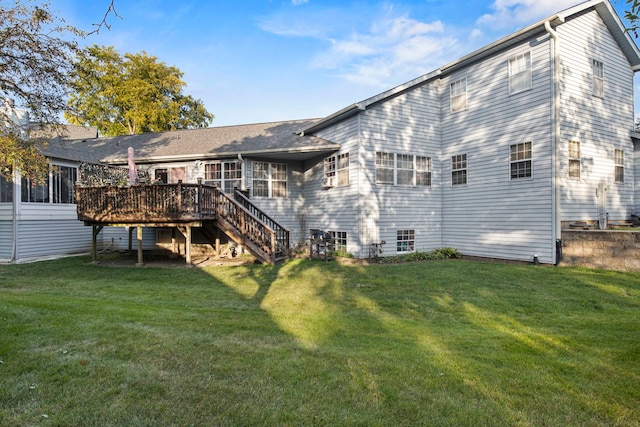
516,349
309,342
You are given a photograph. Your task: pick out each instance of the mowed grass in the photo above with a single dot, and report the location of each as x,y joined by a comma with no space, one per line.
445,343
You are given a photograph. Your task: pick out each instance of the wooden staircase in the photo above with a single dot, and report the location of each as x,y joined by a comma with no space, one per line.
184,206
251,228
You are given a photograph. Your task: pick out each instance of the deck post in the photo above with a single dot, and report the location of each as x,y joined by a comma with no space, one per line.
94,243
130,240
139,235
188,245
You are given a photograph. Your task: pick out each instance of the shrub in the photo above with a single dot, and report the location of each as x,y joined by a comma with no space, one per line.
436,254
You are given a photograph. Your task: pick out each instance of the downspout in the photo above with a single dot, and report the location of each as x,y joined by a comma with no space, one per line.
555,121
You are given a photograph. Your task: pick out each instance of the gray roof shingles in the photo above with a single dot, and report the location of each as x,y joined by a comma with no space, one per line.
267,139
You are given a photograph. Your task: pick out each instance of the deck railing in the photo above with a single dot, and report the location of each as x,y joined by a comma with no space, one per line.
176,203
282,234
145,203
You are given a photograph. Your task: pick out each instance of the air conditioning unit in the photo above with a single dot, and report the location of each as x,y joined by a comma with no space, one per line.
328,182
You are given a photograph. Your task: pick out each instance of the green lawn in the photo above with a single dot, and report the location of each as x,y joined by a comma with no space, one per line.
439,343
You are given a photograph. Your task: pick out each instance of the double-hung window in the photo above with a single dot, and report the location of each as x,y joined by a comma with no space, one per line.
459,169
336,170
423,171
619,166
385,166
269,179
520,160
520,73
225,175
403,169
458,95
574,159
597,74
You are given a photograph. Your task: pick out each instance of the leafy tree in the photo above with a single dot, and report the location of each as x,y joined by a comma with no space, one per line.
130,94
36,52
633,15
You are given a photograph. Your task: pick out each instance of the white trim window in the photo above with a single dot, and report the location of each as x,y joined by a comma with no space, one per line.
225,175
520,73
520,160
459,169
458,95
403,169
574,159
385,165
405,241
340,240
336,170
619,166
597,78
269,179
423,171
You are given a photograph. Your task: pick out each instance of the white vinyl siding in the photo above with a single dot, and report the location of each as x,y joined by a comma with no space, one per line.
601,124
478,217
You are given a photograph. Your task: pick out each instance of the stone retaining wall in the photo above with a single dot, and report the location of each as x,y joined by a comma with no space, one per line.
609,249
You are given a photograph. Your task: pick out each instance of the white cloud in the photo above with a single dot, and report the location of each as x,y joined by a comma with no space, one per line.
507,12
298,2
393,50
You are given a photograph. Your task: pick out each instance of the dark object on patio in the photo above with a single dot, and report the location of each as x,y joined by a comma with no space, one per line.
635,221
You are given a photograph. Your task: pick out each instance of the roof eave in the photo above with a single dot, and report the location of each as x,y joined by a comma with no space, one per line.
312,151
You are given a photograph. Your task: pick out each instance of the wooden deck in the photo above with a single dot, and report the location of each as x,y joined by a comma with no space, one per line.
184,206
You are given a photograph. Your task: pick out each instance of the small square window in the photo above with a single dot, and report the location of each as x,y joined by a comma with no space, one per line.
405,240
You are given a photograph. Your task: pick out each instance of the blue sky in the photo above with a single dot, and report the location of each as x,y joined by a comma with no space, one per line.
256,61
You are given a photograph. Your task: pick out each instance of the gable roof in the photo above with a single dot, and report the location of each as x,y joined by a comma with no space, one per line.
603,7
274,140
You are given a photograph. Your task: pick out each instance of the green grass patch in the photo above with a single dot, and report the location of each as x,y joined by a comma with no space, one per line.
448,343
